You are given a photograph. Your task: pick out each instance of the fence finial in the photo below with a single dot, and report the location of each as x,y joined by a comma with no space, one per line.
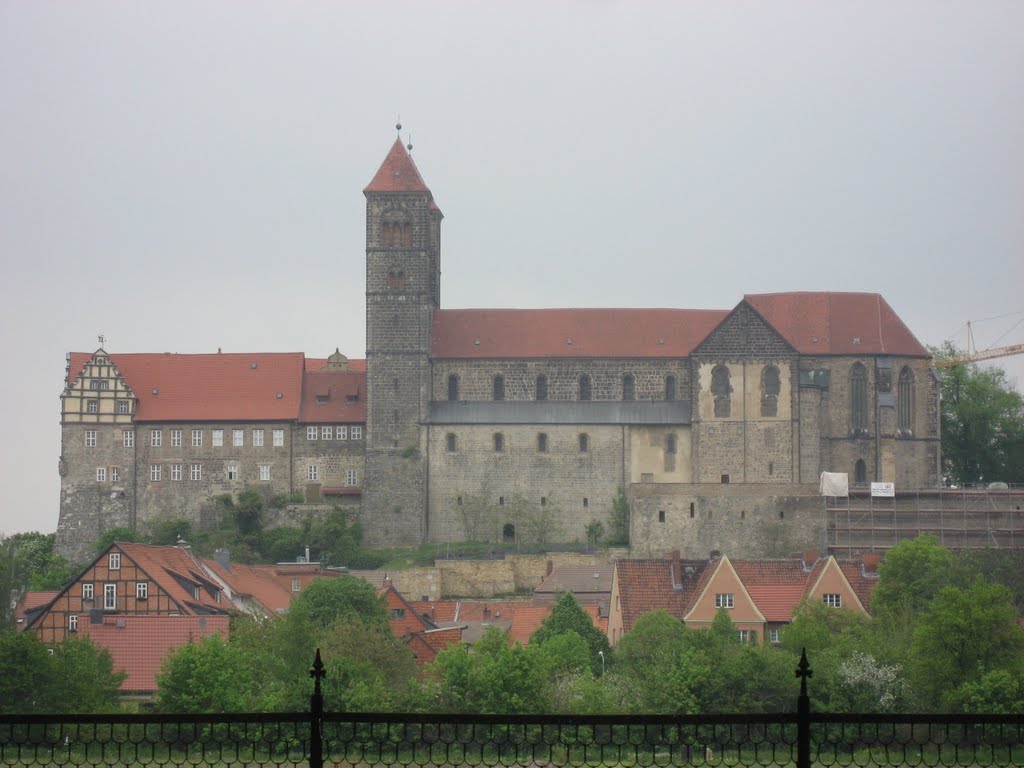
804,671
317,672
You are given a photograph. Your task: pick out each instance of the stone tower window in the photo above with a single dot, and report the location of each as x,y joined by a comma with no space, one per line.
584,387
859,398
499,387
453,388
860,472
670,443
770,387
508,532
396,234
542,387
450,442
396,280
629,387
905,402
721,389
584,442
499,442
542,442
670,387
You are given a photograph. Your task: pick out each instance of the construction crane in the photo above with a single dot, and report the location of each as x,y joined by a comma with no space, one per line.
974,355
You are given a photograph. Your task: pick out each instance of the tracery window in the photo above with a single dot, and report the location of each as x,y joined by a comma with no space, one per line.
453,388
859,398
721,389
860,472
905,402
770,386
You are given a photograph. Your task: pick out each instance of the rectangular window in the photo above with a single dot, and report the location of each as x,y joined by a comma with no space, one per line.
92,406
257,438
197,438
350,477
312,472
128,437
195,471
264,471
357,433
142,590
326,433
832,600
115,474
278,438
114,561
156,437
176,438
155,472
296,585
232,472
773,635
110,597
499,442
123,406
397,613
341,433
176,472
238,437
217,438
744,635
88,591
72,623
725,600
312,433
101,474
90,438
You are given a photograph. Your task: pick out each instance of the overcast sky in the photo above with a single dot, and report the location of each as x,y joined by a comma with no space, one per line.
183,176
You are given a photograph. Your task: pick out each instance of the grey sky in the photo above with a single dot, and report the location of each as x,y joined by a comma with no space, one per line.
183,176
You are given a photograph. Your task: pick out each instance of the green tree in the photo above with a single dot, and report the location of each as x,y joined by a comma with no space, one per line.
168,532
85,673
325,601
568,616
999,691
618,521
911,575
595,532
651,656
982,423
211,675
281,545
120,533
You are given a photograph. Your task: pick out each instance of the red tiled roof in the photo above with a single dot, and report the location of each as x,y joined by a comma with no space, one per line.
775,586
828,323
526,619
317,363
647,585
862,584
545,333
398,173
224,387
30,600
334,388
162,563
139,644
257,582
578,579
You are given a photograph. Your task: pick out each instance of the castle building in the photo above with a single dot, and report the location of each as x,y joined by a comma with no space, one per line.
515,425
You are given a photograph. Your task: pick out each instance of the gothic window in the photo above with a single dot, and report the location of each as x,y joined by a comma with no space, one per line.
453,388
584,443
499,387
584,387
542,442
395,234
721,389
396,280
508,532
770,387
542,387
450,443
859,398
629,387
670,387
499,442
905,402
860,472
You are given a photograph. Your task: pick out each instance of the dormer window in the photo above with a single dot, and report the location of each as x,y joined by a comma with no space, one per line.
322,399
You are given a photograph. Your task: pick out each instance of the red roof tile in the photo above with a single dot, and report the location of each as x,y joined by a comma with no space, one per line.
325,397
647,585
317,364
398,173
256,582
775,586
545,333
829,323
139,644
162,564
222,387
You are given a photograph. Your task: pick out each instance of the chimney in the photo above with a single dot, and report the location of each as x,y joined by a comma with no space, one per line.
677,574
387,582
222,557
871,561
810,557
307,554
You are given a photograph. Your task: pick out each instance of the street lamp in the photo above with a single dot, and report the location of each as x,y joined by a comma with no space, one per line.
601,654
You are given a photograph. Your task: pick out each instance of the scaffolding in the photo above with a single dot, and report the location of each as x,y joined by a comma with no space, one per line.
958,518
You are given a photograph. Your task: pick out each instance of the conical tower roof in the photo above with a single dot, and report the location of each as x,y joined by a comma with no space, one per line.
398,173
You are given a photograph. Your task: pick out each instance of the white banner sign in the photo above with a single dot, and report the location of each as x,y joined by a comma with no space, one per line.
887,490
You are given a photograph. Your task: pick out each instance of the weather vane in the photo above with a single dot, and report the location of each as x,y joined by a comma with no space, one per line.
102,339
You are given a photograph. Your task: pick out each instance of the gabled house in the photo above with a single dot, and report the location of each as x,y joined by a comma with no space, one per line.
424,638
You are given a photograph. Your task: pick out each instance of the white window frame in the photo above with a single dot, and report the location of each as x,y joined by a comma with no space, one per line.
774,635
351,478
101,474
341,432
155,473
356,433
73,623
725,600
296,584
156,437
217,438
832,599
327,433
88,591
195,472
90,438
264,471
114,561
232,472
312,433
278,437
176,472
257,438
176,438
142,590
109,597
744,635
92,406
238,437
128,438
115,474
313,472
197,438
123,407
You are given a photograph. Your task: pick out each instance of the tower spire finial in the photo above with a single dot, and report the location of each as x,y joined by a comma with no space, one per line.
409,145
398,125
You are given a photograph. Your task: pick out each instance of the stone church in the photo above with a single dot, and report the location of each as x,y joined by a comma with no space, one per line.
510,425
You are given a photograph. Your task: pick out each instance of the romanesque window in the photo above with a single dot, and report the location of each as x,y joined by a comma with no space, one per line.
499,387
770,386
629,387
859,398
542,387
499,442
453,388
396,280
721,389
396,234
670,443
584,443
584,387
905,402
450,442
542,442
860,472
508,532
670,387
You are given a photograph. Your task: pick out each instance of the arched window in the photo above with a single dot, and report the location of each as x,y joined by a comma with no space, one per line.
629,387
499,442
542,387
584,442
670,387
499,387
905,402
859,398
584,387
770,387
542,442
450,442
396,280
860,472
721,389
670,443
406,236
508,532
453,388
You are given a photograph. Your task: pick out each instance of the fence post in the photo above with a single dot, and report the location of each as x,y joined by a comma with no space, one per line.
316,715
803,714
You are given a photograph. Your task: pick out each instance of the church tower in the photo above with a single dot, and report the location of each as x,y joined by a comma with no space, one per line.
403,234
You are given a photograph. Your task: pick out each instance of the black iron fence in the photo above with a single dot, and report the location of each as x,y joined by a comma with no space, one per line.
315,738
